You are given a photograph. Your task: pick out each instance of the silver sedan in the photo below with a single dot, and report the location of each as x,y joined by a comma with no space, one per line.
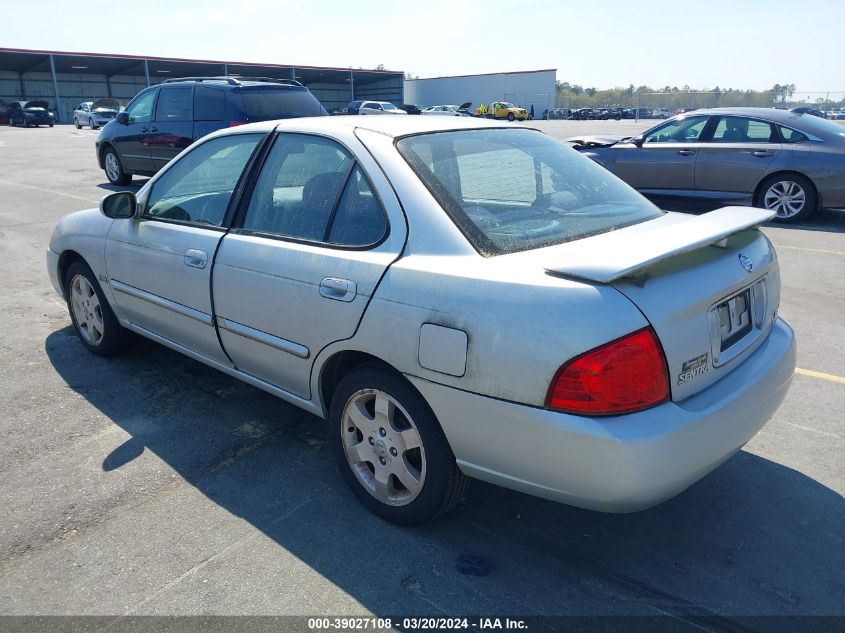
789,163
459,298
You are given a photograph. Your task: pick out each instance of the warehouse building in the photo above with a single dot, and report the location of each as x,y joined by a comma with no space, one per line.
527,88
66,79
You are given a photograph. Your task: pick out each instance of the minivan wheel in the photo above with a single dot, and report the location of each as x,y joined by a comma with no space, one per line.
114,170
90,313
390,448
792,196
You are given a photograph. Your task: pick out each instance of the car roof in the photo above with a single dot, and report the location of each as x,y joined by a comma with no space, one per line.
389,126
770,114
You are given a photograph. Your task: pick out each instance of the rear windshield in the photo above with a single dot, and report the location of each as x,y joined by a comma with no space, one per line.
35,105
265,103
816,125
511,190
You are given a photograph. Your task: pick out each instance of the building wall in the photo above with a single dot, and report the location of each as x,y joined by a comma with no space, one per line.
525,89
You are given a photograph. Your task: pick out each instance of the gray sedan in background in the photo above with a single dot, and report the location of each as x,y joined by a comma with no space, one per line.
786,162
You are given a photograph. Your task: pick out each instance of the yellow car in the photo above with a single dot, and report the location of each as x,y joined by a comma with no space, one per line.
505,110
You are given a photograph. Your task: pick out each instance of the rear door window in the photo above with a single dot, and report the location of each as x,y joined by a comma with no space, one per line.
736,129
175,104
791,136
299,187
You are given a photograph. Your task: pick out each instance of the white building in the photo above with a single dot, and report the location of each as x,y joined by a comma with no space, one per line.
528,88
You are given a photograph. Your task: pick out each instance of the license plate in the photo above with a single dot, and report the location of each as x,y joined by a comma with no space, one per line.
734,318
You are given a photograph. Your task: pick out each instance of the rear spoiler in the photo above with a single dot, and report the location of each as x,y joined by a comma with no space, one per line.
628,252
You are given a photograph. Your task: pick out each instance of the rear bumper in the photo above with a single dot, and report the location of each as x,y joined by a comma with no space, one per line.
616,464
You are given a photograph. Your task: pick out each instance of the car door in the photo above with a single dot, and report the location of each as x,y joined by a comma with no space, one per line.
312,246
159,265
734,157
664,162
130,138
172,128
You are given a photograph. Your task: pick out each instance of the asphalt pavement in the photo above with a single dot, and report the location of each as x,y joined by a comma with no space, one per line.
150,484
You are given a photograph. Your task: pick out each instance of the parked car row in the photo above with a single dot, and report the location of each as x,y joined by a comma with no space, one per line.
788,162
29,114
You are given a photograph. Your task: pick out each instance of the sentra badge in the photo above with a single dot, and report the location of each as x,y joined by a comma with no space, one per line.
693,368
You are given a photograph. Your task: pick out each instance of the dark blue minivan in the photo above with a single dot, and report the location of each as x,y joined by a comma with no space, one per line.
163,120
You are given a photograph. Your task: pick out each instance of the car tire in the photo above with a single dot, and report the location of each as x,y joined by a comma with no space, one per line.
91,315
114,168
51,125
511,117
76,124
373,451
792,196
91,123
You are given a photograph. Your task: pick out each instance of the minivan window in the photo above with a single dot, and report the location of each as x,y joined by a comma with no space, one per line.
140,110
174,104
263,103
197,189
511,190
209,104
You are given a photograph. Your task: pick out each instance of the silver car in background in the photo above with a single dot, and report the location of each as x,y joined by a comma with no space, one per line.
95,114
786,162
458,297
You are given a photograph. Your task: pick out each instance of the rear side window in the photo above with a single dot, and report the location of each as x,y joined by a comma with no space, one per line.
511,190
299,186
311,189
735,129
197,188
263,103
791,136
209,104
174,105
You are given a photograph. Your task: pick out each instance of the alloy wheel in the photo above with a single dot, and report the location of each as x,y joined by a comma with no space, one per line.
112,168
786,198
87,311
383,447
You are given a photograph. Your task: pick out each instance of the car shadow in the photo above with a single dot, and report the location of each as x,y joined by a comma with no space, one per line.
753,538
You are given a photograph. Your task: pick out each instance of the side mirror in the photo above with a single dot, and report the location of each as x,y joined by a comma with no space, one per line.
120,205
122,118
638,140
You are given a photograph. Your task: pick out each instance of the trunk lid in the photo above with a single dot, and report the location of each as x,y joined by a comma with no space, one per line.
709,285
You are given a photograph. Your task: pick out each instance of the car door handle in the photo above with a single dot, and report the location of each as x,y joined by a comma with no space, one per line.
338,289
196,258
762,153
686,152
153,129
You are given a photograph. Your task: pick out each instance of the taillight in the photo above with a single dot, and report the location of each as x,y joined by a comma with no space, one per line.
625,375
236,123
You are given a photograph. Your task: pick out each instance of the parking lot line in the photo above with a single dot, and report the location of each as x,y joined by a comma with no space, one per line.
58,193
820,374
809,250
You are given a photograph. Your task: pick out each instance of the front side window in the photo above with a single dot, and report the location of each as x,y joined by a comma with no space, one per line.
174,105
737,129
511,190
198,187
686,130
141,110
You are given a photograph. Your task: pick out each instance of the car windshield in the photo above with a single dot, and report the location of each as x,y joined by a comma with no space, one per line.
514,190
263,103
508,105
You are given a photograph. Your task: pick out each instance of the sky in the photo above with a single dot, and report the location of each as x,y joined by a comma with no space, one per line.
725,43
